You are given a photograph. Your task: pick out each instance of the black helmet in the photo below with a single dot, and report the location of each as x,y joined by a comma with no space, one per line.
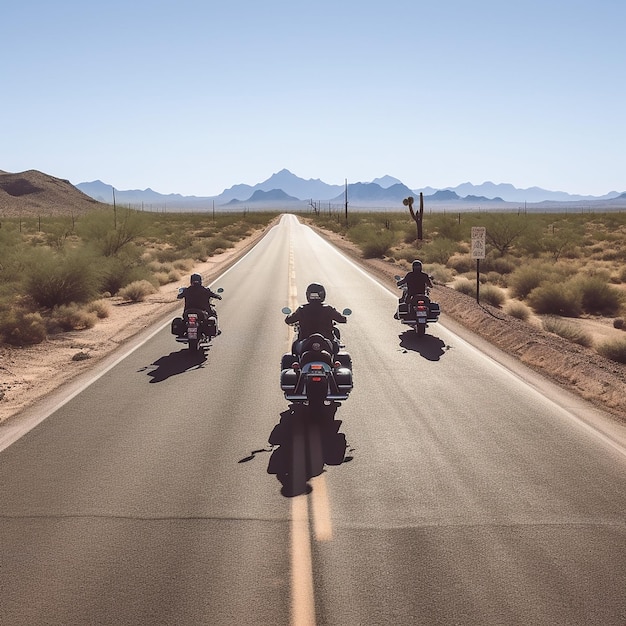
417,265
195,279
315,292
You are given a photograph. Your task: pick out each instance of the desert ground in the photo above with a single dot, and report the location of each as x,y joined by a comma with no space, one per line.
29,374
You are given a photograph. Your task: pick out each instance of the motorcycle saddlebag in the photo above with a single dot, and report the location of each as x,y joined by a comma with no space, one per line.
288,379
178,326
434,311
343,378
403,310
345,359
211,327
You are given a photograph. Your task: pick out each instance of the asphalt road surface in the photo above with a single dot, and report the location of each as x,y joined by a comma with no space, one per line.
182,490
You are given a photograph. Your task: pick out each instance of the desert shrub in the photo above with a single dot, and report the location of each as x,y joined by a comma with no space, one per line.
440,273
496,278
614,350
156,267
137,291
67,317
464,285
503,230
438,251
562,240
167,255
236,231
407,254
517,309
525,279
116,273
619,323
214,245
101,308
448,227
566,330
490,294
622,275
19,327
556,299
376,240
377,245
593,270
598,297
112,231
165,278
461,263
184,265
52,280
499,264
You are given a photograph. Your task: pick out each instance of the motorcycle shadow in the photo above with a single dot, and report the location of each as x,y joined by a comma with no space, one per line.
429,346
305,441
176,363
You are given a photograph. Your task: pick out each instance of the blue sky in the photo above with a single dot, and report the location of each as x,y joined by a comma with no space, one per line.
195,96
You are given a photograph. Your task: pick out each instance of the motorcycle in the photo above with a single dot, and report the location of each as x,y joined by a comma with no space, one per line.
196,327
417,311
318,372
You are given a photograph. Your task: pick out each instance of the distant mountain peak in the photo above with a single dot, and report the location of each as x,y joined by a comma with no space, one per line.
386,181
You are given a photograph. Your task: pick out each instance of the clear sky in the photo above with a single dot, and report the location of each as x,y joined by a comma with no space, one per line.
195,96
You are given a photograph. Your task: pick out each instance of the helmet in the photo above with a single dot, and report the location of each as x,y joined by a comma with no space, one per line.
417,265
195,279
315,292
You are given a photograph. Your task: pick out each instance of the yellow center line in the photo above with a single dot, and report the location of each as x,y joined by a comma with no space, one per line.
302,588
302,592
322,523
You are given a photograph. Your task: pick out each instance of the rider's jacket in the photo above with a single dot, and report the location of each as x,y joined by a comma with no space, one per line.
198,297
416,282
316,317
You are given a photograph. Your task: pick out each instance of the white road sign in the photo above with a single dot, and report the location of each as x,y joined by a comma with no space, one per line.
479,234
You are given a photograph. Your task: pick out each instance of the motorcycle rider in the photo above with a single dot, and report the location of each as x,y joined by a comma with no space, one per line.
417,282
198,297
316,317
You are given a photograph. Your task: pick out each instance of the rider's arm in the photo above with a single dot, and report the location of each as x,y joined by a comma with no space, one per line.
293,317
181,294
339,317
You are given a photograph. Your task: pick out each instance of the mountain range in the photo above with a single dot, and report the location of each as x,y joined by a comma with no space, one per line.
286,189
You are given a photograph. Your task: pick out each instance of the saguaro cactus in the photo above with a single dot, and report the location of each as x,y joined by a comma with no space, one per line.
416,215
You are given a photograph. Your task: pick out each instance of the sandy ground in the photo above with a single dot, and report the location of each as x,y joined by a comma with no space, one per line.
29,374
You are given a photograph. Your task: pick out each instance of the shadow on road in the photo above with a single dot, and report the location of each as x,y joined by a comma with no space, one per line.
303,443
175,363
429,346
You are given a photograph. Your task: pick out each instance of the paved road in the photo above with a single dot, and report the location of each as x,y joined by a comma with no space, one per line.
445,490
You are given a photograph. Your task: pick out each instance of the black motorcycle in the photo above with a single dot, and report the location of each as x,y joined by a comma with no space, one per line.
319,372
196,328
417,311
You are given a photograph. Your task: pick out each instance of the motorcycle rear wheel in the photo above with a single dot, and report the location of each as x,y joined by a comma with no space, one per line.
193,345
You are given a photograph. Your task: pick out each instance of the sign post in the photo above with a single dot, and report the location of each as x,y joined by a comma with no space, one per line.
479,235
